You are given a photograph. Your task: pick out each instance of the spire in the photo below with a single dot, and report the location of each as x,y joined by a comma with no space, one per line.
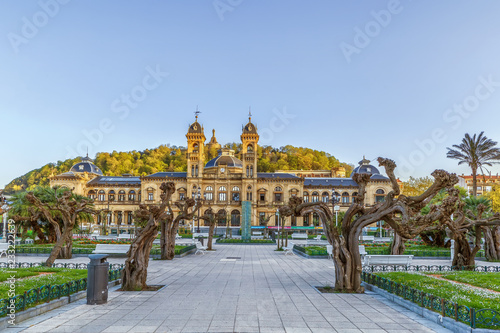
196,113
250,114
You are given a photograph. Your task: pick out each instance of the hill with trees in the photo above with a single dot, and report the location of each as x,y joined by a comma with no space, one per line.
173,158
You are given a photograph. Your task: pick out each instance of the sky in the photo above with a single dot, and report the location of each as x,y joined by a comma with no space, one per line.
399,79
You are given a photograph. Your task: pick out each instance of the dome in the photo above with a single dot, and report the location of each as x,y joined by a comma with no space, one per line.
195,128
249,128
86,165
365,167
226,158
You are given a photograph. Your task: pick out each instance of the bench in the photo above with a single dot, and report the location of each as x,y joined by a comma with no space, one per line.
362,251
4,247
200,248
124,236
257,233
200,234
112,248
289,249
404,259
367,238
299,236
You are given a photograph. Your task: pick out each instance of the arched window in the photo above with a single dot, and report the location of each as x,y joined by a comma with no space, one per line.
195,147
235,218
111,195
315,197
222,193
325,197
221,222
249,193
251,171
101,195
380,195
130,217
209,194
249,149
306,218
205,222
121,195
278,194
91,194
131,195
235,194
354,195
315,219
150,192
306,196
345,198
119,218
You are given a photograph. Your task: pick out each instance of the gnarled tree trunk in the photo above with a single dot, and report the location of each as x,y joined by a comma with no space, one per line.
398,245
492,243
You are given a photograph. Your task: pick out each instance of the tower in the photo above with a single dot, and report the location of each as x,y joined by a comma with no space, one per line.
249,140
196,149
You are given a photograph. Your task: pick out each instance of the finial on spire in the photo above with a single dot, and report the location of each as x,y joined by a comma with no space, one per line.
87,151
196,113
249,113
213,132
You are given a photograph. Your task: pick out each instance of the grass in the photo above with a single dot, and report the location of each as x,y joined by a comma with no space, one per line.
460,294
30,278
478,279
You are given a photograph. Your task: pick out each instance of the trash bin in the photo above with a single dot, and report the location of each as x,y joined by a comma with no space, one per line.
97,279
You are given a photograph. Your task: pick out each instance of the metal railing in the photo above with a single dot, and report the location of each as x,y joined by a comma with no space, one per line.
46,293
485,318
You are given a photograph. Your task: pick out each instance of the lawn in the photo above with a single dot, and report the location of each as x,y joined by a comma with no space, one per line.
454,292
30,278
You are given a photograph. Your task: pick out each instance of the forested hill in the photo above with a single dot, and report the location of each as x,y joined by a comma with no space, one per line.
172,158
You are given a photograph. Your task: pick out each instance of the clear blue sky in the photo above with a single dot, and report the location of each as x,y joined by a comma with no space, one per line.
355,86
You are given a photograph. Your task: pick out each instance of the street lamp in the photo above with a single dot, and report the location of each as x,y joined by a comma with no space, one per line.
335,200
199,196
5,208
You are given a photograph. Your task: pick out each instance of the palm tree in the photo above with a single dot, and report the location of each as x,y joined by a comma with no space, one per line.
477,152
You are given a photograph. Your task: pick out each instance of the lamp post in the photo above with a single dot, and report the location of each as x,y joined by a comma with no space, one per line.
5,208
278,217
335,200
199,196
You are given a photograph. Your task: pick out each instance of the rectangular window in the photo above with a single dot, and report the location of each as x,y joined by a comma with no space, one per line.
150,196
209,196
101,197
277,197
182,196
222,196
345,199
249,196
262,197
379,199
325,199
236,196
131,197
306,198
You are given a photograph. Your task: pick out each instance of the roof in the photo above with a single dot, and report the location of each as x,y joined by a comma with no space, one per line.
229,161
167,175
250,128
365,168
379,177
195,128
104,180
276,175
334,182
86,166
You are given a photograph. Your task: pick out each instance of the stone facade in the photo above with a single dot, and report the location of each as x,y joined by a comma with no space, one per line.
224,183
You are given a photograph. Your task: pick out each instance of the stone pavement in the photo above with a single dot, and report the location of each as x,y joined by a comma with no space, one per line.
237,288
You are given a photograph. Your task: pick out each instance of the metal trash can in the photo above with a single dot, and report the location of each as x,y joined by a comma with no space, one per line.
97,279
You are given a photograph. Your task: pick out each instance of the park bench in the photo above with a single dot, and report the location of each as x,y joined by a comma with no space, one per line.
4,247
112,248
256,233
124,236
362,250
288,249
367,238
299,236
388,259
200,248
200,234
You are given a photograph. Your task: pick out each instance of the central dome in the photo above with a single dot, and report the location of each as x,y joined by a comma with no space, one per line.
226,158
86,165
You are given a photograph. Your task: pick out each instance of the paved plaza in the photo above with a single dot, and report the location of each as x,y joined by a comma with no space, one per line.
237,288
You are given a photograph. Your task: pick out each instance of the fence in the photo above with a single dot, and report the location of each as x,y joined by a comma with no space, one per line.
46,293
487,318
429,268
57,265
